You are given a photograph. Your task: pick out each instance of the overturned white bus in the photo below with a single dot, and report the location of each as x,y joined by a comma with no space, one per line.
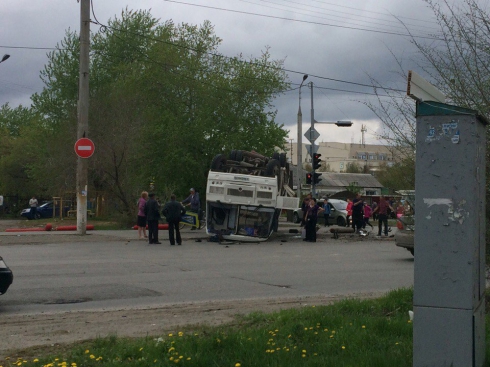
245,194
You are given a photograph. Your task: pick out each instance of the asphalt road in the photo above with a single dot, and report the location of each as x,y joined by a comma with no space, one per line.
114,271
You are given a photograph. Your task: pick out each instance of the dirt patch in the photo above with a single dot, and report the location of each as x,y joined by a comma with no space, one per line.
26,335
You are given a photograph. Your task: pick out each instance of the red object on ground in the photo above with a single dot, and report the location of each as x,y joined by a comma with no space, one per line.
25,230
73,228
48,227
160,226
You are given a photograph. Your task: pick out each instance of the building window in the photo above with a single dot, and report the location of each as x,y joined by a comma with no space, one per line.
371,192
354,183
371,157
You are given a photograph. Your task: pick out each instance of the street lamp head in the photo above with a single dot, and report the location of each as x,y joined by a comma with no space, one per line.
305,77
5,57
344,123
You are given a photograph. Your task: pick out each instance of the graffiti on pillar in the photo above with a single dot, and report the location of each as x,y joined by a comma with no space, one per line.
456,213
444,131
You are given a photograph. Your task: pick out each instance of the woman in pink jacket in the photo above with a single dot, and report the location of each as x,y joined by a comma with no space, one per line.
367,214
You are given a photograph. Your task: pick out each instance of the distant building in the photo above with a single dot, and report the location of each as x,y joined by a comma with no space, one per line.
333,183
337,156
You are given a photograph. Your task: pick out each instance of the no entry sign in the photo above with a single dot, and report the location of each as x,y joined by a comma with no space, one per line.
84,148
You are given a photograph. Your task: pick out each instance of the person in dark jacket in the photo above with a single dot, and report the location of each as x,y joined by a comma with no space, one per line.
173,210
152,212
311,218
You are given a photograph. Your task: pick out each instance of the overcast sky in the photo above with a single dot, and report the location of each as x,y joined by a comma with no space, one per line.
348,41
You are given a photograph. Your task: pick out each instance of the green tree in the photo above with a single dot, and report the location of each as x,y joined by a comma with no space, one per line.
163,103
353,167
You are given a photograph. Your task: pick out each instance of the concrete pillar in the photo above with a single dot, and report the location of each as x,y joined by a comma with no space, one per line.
449,284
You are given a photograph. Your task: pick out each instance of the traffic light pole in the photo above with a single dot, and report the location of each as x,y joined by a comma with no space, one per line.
313,186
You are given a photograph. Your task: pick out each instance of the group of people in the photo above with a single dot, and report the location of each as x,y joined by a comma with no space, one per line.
357,210
149,210
360,213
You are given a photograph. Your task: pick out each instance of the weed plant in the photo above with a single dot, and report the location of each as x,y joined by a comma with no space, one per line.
353,332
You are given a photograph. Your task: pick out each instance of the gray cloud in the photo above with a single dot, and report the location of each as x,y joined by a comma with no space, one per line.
334,52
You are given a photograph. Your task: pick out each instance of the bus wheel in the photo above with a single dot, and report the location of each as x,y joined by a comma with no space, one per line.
273,168
218,163
233,155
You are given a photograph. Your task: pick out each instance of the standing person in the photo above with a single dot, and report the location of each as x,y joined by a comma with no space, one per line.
173,211
349,211
367,215
194,202
357,213
141,215
400,210
33,204
382,210
152,212
304,207
326,211
373,207
311,219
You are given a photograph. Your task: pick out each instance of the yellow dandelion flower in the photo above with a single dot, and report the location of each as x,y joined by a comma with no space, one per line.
181,357
171,349
303,355
278,348
171,359
188,358
315,354
170,335
409,321
311,327
87,351
343,347
306,328
396,343
74,364
363,326
313,306
99,358
303,351
316,332
331,336
155,361
238,365
141,349
289,335
181,333
325,329
92,356
287,349
36,360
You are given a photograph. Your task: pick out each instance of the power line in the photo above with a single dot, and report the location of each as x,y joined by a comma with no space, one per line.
304,21
397,24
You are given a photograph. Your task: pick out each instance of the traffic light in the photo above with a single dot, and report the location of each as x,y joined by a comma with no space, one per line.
317,161
316,178
308,178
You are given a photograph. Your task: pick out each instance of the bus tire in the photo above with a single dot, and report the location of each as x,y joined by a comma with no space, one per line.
273,168
233,155
283,159
239,155
218,163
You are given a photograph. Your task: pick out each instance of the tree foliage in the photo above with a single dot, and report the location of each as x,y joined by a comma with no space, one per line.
163,103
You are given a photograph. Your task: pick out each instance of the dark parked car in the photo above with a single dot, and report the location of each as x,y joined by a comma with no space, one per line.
338,213
404,236
43,211
6,277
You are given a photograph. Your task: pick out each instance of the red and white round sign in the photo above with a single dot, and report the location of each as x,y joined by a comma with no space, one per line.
84,148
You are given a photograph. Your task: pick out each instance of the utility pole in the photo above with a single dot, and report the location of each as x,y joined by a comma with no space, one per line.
312,127
83,103
299,150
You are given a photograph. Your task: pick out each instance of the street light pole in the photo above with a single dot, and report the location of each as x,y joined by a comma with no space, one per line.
299,149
